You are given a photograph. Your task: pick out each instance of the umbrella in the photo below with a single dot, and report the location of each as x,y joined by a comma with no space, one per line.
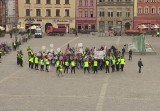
33,27
154,27
2,28
142,27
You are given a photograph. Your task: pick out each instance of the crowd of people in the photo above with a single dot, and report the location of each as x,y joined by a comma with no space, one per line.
113,60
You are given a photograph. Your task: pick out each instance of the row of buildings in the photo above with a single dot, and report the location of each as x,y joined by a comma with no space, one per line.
90,15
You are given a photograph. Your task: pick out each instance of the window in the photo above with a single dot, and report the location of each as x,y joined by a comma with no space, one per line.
128,0
91,2
48,12
27,1
57,12
101,12
93,27
38,12
159,10
139,10
57,1
146,0
153,0
80,2
91,12
119,0
110,0
153,10
80,13
66,1
119,14
86,2
146,10
66,12
38,1
101,0
48,1
86,13
110,13
127,12
27,12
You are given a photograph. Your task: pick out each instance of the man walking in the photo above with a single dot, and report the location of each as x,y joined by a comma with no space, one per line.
130,54
140,64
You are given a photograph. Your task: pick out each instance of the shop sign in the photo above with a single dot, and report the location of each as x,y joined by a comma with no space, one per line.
62,20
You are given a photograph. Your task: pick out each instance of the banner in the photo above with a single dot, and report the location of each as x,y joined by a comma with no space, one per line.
99,54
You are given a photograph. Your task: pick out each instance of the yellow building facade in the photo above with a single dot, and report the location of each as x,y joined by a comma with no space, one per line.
58,13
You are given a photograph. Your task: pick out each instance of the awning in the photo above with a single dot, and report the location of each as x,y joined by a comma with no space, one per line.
155,27
2,28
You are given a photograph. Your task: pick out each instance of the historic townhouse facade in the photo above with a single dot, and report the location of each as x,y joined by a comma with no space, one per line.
2,13
115,15
86,15
58,13
148,14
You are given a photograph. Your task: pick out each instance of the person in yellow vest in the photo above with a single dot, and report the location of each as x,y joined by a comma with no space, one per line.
31,60
42,64
122,63
73,65
21,59
18,57
113,61
118,60
107,64
47,64
36,61
66,66
57,65
95,65
86,66
60,70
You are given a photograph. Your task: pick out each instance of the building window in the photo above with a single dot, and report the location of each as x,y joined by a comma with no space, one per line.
38,1
153,0
57,1
66,1
153,10
91,12
86,2
91,2
110,14
128,0
86,27
27,12
48,12
48,1
101,0
119,13
110,1
93,27
119,0
27,1
38,12
159,10
146,10
101,13
80,13
67,12
86,13
80,2
146,0
58,12
127,13
139,10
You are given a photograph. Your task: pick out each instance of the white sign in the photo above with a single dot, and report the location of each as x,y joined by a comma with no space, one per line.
99,54
51,45
43,47
58,49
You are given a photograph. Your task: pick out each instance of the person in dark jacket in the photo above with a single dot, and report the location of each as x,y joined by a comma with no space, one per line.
140,64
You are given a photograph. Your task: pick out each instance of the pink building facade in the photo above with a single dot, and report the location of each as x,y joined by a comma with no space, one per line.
86,15
148,14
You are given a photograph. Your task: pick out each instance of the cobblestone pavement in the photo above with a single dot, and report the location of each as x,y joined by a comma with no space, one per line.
23,89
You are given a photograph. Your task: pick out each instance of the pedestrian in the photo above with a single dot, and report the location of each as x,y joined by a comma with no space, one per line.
66,66
123,51
31,60
130,54
60,70
86,66
18,58
95,65
47,64
140,64
21,60
122,63
113,61
36,61
107,65
117,63
10,34
73,65
42,64
57,65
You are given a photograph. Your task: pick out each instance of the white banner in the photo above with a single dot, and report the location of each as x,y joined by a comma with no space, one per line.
99,54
